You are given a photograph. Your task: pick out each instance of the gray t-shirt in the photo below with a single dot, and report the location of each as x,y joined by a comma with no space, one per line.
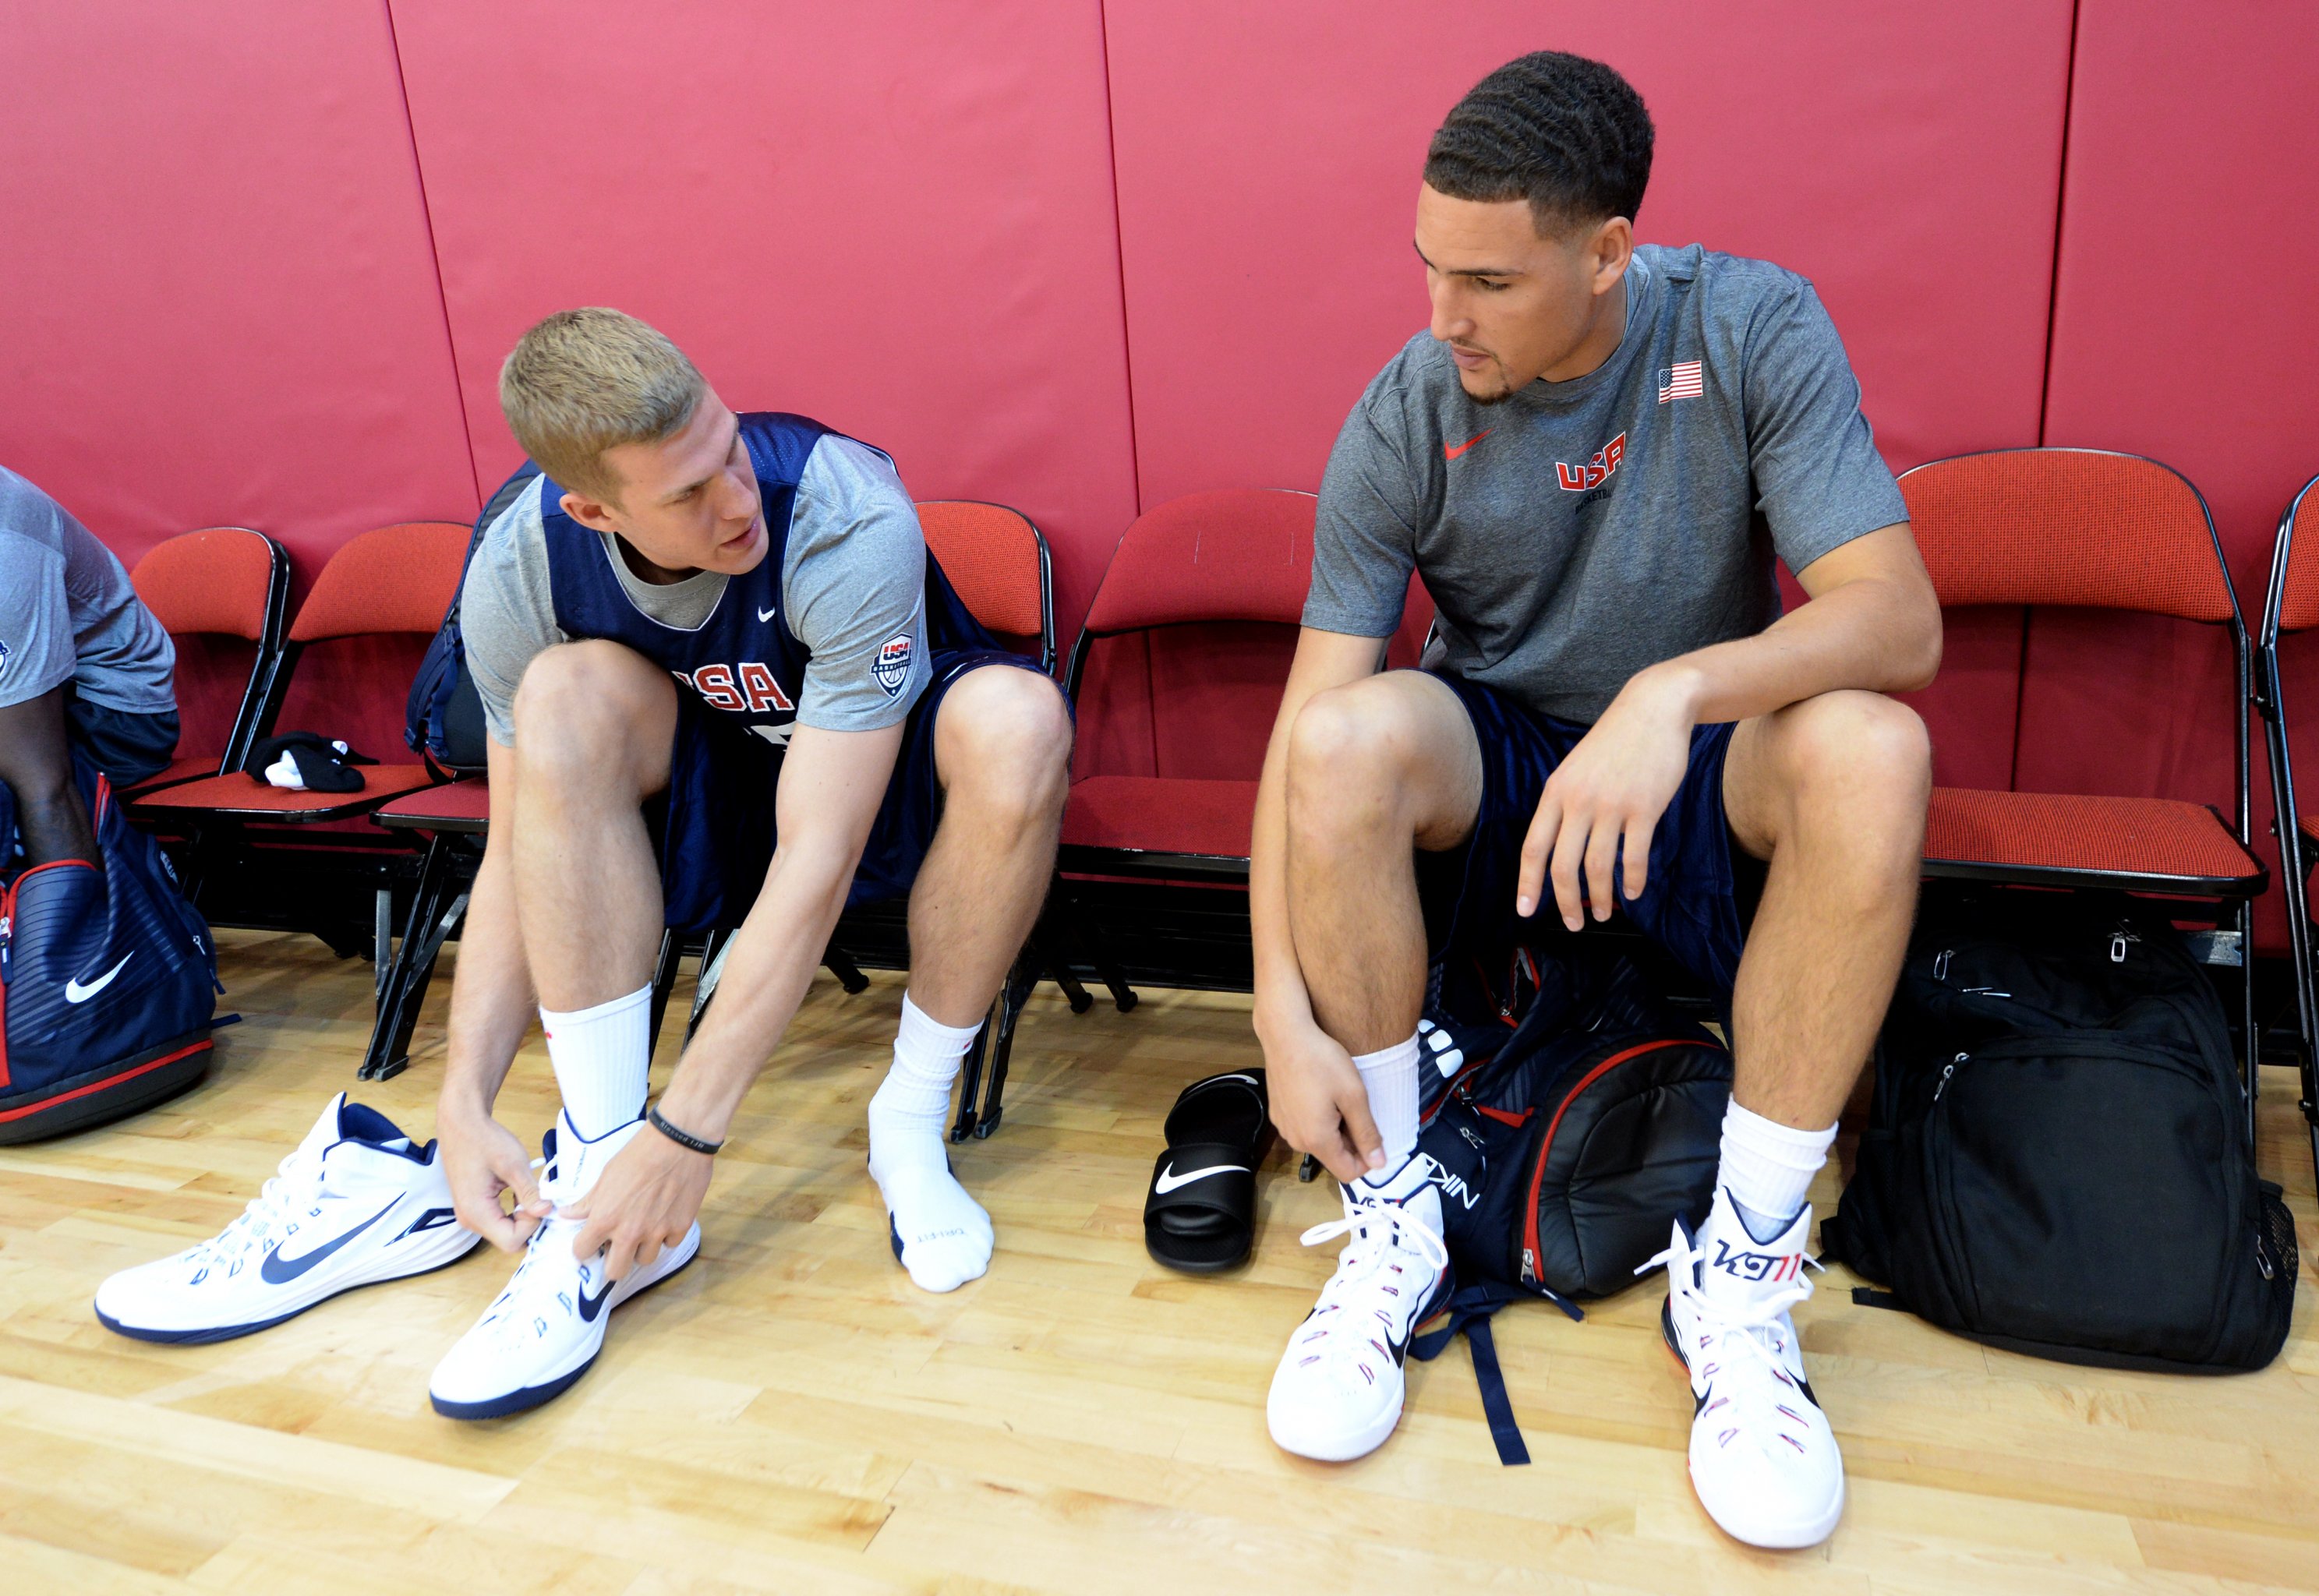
852,579
1579,531
68,612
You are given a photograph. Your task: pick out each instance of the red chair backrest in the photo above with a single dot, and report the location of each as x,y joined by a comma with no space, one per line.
992,557
2068,526
366,624
216,581
209,590
1238,555
1216,582
2298,606
392,579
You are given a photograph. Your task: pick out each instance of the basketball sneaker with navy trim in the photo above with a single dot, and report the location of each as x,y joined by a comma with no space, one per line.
1337,1394
546,1329
1763,1459
357,1204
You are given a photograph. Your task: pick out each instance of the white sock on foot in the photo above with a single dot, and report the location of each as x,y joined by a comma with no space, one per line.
602,1056
1767,1167
1390,1074
942,1235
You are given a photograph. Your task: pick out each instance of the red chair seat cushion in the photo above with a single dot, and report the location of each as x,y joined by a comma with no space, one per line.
239,797
2057,831
186,767
465,804
1161,815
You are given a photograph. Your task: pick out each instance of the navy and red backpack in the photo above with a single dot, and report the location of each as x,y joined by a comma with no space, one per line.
1575,1116
108,979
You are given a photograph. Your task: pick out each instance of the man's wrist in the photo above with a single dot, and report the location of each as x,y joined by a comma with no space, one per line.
1676,686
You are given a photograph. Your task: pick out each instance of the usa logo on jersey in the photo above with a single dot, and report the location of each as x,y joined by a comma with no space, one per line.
891,668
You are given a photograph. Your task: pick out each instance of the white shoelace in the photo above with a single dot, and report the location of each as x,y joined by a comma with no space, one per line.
1378,1230
283,1196
1757,1327
526,1278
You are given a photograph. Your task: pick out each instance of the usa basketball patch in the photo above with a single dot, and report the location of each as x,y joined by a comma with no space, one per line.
892,666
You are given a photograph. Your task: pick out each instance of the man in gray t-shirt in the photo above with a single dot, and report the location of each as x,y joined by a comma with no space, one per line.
82,663
1592,458
728,689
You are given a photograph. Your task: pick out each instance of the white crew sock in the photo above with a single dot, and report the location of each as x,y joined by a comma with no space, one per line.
1390,1074
942,1235
1767,1167
602,1056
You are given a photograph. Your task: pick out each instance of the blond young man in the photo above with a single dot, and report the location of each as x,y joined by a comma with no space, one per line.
726,687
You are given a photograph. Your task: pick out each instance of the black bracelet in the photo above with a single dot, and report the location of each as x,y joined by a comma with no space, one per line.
680,1138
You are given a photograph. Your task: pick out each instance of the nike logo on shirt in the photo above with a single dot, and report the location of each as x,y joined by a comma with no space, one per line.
276,1269
76,993
1449,454
1170,1180
766,615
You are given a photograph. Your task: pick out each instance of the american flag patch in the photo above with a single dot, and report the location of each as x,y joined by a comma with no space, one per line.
1682,380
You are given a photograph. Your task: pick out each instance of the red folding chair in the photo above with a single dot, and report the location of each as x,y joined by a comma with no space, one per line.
222,594
1236,556
345,671
2292,605
2090,529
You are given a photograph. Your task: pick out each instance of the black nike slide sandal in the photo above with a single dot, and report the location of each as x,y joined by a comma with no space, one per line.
1200,1216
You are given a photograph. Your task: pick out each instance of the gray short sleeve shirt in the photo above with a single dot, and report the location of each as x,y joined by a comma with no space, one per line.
852,579
69,613
1577,532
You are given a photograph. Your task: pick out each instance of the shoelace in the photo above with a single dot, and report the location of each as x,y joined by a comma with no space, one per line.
502,1310
1756,1328
282,1195
1376,1228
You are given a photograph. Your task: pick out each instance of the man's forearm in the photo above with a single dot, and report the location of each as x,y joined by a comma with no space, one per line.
492,999
1871,634
771,963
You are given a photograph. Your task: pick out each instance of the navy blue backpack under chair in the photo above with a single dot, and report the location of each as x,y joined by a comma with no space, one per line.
108,979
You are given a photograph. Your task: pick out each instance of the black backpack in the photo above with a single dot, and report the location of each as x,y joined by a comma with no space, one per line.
2057,1161
444,718
1573,1126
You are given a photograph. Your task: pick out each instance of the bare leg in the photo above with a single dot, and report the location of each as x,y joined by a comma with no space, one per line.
1003,754
36,765
1832,791
593,725
1376,770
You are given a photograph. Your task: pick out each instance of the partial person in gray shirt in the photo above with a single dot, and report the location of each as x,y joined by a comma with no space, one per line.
727,689
1592,458
83,663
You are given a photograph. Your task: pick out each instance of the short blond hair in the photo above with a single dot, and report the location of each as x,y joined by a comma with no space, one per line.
585,381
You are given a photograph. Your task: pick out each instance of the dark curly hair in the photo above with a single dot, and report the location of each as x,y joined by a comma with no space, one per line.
1568,134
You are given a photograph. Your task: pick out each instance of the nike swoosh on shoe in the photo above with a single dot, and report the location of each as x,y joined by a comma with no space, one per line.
275,1269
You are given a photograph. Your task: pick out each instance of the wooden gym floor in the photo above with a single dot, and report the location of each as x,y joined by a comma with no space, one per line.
789,1414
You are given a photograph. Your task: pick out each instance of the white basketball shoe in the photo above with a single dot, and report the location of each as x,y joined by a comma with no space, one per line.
355,1204
1763,1459
547,1326
1337,1393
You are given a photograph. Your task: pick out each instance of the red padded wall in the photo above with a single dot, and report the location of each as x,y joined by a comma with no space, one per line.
895,218
1905,158
217,301
2185,307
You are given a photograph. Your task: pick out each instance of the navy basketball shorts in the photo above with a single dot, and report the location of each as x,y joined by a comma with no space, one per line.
1697,900
713,829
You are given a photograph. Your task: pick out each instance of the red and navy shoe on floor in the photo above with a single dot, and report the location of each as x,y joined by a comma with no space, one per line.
1763,1459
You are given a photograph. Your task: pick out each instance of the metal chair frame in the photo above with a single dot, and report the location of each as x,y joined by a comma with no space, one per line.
2297,853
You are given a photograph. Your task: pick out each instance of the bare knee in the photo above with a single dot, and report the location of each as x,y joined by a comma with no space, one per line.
590,712
1369,757
1005,745
1860,760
